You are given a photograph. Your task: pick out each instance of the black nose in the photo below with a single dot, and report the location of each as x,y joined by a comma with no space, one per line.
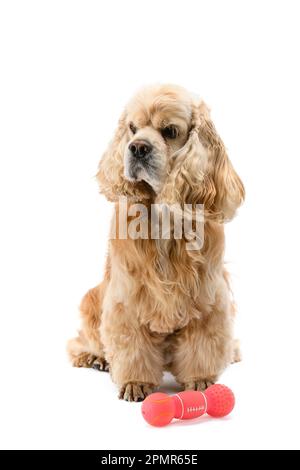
140,148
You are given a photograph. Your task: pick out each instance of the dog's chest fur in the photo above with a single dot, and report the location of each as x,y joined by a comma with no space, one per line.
163,290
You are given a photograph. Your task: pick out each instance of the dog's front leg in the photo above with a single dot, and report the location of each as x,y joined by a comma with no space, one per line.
202,350
134,354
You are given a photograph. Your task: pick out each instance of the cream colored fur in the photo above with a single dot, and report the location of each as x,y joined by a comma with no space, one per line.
160,306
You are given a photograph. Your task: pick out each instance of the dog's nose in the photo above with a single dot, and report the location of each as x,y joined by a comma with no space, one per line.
140,148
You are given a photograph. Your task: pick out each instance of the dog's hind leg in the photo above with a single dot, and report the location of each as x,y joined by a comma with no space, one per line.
86,350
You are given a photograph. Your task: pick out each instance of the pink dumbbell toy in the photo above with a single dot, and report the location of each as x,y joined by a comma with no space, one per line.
159,409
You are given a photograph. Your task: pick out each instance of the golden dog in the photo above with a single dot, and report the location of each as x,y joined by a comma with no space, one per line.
161,306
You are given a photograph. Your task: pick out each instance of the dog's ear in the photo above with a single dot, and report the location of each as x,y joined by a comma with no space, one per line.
110,174
110,170
184,184
223,190
201,172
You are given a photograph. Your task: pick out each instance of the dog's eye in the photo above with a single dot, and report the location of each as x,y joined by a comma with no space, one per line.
132,128
169,132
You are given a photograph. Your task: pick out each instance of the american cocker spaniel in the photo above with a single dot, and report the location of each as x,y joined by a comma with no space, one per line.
162,306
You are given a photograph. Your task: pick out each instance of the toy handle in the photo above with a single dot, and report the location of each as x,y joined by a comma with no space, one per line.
189,404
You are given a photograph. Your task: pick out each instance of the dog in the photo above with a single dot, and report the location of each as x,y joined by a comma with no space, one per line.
161,306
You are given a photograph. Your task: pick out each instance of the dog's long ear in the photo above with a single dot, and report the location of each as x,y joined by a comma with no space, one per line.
223,190
110,174
184,184
201,172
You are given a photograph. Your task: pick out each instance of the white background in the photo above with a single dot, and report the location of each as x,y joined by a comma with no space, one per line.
67,69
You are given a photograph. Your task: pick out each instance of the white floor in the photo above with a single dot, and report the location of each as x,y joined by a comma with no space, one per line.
68,68
58,407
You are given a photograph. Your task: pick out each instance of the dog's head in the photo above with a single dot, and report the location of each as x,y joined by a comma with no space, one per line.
166,149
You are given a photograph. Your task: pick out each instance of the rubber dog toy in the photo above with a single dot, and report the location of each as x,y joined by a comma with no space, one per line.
158,409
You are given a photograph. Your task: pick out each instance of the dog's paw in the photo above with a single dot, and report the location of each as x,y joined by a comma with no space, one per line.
135,391
198,384
90,360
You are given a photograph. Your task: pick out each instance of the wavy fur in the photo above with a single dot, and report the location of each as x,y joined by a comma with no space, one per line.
161,306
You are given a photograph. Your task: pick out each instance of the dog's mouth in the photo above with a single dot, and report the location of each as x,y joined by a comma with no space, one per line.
136,172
